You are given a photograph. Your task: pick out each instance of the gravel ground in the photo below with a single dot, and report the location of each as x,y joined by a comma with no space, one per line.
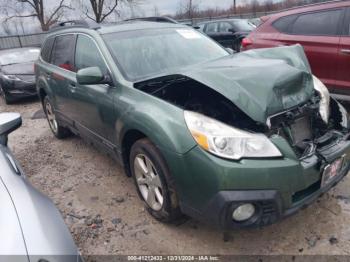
103,212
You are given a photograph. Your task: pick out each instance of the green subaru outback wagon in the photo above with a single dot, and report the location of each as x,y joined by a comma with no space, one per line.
236,140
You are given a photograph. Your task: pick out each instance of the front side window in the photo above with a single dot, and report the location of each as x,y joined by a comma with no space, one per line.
320,23
88,55
145,53
63,52
46,50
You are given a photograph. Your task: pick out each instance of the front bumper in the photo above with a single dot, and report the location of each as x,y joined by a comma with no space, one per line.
268,204
19,89
210,188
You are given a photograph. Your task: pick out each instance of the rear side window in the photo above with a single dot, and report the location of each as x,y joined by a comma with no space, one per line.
46,49
63,52
88,55
225,27
320,23
212,28
285,24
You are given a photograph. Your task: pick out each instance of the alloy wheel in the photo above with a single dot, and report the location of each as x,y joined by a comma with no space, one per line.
51,117
148,182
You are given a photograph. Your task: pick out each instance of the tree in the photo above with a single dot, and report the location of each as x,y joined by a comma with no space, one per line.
36,9
99,10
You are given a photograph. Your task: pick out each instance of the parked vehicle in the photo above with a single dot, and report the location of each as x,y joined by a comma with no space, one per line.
229,33
17,73
323,31
236,140
31,227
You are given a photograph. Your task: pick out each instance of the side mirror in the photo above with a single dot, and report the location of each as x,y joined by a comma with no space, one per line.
92,76
196,27
9,122
232,30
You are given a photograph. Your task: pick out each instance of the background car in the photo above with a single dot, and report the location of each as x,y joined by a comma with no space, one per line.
31,227
323,31
17,78
229,33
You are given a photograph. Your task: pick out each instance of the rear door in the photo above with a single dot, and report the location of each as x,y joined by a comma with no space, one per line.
63,75
226,36
343,76
93,104
319,34
212,30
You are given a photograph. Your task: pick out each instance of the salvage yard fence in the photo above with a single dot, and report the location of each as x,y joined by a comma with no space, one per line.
36,40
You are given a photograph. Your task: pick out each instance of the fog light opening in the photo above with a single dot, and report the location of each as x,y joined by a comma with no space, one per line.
243,212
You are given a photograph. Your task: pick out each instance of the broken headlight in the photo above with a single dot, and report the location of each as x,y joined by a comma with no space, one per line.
325,98
226,141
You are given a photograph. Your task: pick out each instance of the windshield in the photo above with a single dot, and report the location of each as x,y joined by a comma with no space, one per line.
150,52
19,56
243,25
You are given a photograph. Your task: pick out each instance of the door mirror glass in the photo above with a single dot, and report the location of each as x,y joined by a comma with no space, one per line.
90,76
9,122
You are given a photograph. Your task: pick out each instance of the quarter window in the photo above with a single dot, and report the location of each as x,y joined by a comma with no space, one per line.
88,55
63,52
320,23
46,50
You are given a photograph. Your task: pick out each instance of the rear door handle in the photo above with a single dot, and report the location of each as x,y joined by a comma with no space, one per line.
345,51
72,87
47,75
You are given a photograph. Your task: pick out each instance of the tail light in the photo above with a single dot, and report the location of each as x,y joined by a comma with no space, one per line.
246,42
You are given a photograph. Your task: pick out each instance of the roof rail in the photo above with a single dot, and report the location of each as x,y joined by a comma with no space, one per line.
160,19
75,23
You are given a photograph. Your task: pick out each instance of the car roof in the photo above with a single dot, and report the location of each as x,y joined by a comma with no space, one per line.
313,7
119,27
136,25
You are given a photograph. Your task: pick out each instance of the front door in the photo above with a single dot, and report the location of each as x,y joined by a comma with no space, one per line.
319,34
93,104
343,76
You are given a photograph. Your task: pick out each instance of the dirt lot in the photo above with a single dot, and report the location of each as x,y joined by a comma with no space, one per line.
102,210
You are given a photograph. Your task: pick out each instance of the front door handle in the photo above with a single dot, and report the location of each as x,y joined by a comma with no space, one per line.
345,51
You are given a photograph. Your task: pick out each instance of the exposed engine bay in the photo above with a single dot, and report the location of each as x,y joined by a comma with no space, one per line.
301,126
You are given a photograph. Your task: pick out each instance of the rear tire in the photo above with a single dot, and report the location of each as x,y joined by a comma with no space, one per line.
154,182
59,131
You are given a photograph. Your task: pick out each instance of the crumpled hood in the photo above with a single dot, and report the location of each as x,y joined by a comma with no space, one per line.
260,82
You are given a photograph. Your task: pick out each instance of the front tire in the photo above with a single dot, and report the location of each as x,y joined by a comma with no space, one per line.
58,130
8,100
153,181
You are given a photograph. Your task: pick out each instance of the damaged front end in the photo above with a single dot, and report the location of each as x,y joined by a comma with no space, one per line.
257,94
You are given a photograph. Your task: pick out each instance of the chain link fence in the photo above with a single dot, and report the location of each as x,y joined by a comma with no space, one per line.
15,41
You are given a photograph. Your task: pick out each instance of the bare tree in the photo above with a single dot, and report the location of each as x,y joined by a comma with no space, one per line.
36,9
99,10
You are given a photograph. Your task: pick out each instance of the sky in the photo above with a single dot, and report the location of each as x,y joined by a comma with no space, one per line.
145,8
170,6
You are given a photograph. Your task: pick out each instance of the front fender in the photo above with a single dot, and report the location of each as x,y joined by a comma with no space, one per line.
162,122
